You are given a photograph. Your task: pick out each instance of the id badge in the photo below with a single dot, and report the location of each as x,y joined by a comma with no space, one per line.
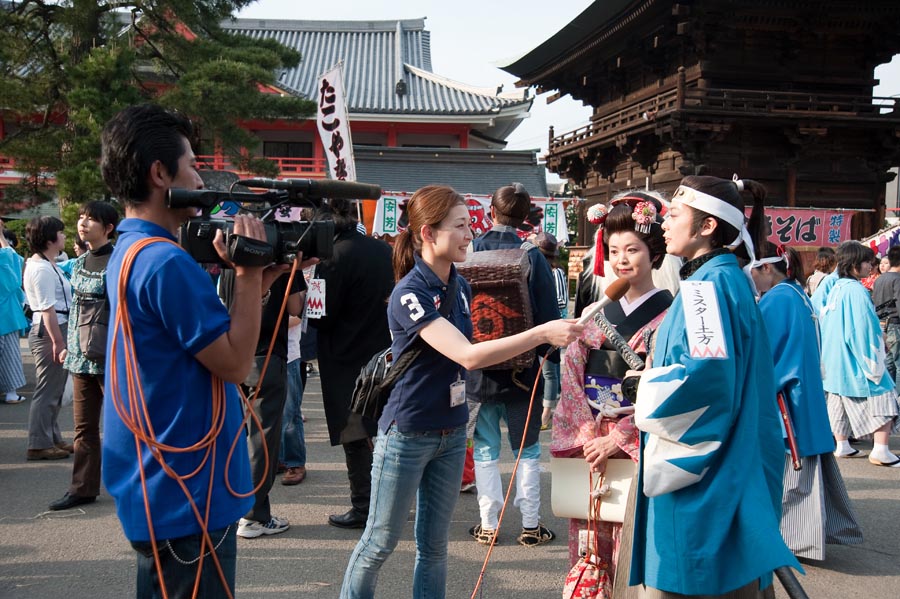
315,299
457,393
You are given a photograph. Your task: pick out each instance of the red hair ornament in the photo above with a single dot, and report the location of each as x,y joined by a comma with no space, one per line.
596,215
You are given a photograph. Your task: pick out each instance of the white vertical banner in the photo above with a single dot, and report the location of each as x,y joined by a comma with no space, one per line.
334,126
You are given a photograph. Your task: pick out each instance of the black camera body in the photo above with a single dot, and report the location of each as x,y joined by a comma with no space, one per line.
284,240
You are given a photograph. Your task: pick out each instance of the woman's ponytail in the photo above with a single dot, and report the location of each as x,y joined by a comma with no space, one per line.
403,258
795,271
757,225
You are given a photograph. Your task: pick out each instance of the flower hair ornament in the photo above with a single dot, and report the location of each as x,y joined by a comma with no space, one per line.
644,211
596,215
644,216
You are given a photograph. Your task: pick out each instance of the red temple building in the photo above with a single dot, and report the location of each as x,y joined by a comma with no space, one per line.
410,126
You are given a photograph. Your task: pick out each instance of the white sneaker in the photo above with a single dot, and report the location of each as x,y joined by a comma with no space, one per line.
250,529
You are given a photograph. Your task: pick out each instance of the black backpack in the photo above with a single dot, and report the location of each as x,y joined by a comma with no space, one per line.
378,377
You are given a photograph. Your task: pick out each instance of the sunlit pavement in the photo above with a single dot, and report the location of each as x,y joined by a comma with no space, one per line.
82,552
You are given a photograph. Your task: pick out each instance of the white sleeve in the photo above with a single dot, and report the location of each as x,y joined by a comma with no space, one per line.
40,286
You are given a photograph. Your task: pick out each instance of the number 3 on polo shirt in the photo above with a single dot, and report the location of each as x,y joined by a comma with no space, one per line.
415,308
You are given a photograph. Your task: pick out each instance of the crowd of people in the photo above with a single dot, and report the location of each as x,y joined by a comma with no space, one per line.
734,427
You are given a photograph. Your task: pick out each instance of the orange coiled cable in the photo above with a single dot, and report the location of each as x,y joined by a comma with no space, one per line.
512,480
136,419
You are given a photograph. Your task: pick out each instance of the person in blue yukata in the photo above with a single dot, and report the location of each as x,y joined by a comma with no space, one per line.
421,443
815,506
862,397
191,352
710,474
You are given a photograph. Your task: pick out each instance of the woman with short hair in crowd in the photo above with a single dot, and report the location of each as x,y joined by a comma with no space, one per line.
49,295
822,267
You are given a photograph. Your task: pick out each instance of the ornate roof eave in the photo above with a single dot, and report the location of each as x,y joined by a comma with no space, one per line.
515,96
513,111
431,117
574,41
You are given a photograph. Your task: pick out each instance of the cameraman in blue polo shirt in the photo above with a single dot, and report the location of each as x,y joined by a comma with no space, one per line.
185,344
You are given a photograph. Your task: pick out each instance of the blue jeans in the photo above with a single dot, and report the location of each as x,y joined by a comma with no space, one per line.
488,438
428,467
892,350
550,371
293,444
179,559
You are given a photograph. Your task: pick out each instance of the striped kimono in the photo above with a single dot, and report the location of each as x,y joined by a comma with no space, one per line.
815,507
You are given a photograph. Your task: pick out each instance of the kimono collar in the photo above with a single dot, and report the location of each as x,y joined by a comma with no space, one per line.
694,265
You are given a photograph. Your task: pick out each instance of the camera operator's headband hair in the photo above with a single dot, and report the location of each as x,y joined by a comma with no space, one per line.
644,212
719,208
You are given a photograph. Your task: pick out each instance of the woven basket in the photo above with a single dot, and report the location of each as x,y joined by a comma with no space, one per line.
501,304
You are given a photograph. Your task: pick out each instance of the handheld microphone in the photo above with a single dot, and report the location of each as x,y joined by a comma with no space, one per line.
616,291
319,188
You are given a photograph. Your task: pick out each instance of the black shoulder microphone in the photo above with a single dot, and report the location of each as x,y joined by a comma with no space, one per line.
319,188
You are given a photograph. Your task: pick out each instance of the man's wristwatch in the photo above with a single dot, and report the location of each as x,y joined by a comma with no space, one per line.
265,298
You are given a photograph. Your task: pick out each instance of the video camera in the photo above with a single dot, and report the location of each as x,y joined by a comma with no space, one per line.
284,239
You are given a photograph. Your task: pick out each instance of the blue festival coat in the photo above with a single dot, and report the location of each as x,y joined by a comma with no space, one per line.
12,318
794,336
854,355
820,295
710,477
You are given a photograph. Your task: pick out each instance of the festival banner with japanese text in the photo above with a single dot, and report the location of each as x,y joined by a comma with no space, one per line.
546,215
334,127
808,226
882,241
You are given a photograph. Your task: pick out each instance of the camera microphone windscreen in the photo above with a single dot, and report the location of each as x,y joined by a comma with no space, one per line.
319,188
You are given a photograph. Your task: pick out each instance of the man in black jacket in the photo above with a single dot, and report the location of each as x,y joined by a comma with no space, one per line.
358,282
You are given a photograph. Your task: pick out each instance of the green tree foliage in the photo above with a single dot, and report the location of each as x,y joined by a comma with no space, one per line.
68,66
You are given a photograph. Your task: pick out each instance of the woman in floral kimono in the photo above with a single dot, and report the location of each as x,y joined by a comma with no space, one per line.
593,418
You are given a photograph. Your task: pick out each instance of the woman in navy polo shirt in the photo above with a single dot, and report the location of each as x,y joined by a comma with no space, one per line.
421,442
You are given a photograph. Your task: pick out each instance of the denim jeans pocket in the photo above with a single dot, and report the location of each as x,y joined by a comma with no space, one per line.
393,432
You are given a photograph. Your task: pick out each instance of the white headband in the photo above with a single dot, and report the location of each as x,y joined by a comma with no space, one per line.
773,259
719,208
769,260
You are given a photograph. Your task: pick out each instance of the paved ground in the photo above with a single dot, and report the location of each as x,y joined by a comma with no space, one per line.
82,553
